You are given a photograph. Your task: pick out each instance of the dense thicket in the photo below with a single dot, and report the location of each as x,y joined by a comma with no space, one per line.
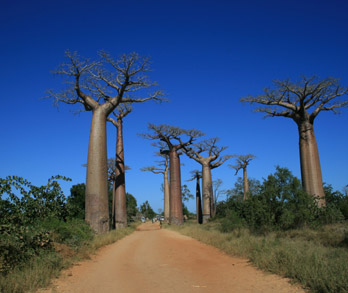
279,203
32,218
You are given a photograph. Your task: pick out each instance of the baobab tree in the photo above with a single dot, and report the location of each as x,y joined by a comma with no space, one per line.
211,161
111,163
173,138
197,175
302,102
119,208
242,162
164,170
100,86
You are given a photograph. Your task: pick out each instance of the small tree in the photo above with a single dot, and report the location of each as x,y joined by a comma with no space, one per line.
211,161
173,139
147,210
294,100
100,86
131,204
216,194
237,192
76,201
166,190
242,162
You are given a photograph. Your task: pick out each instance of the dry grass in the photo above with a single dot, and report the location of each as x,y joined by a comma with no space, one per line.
40,271
315,259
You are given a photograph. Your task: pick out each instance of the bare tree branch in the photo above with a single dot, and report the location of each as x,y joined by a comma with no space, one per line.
242,161
171,134
105,82
213,152
298,98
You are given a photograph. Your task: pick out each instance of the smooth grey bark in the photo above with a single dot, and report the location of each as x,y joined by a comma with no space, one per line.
310,163
97,211
207,192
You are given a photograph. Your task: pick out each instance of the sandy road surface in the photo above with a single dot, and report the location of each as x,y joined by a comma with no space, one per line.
153,260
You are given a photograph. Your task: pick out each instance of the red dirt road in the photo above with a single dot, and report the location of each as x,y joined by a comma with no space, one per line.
153,260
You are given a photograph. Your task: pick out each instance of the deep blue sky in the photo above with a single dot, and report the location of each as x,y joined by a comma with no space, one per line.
206,55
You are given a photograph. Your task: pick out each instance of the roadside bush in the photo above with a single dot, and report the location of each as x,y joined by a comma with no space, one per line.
18,244
23,207
231,222
280,203
73,232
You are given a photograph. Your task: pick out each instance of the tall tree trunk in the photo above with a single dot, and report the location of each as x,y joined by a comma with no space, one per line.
113,210
207,190
198,202
312,181
245,183
97,211
121,209
176,215
166,194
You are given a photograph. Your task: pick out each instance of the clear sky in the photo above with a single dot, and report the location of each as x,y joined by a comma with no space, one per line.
206,55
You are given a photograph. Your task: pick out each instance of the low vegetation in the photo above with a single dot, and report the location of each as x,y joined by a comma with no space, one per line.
280,229
41,233
317,259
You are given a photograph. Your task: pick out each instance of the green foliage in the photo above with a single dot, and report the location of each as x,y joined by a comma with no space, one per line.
186,193
35,223
279,204
76,201
74,232
231,222
18,244
186,212
337,200
33,204
146,210
237,192
131,204
32,217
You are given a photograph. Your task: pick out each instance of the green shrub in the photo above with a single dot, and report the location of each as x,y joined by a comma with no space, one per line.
281,204
73,232
231,222
19,244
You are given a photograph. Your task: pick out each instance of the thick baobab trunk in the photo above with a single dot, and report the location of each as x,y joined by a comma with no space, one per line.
245,184
312,181
166,195
120,186
198,202
97,211
207,190
176,215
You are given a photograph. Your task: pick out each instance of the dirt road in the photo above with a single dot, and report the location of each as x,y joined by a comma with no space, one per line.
153,260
